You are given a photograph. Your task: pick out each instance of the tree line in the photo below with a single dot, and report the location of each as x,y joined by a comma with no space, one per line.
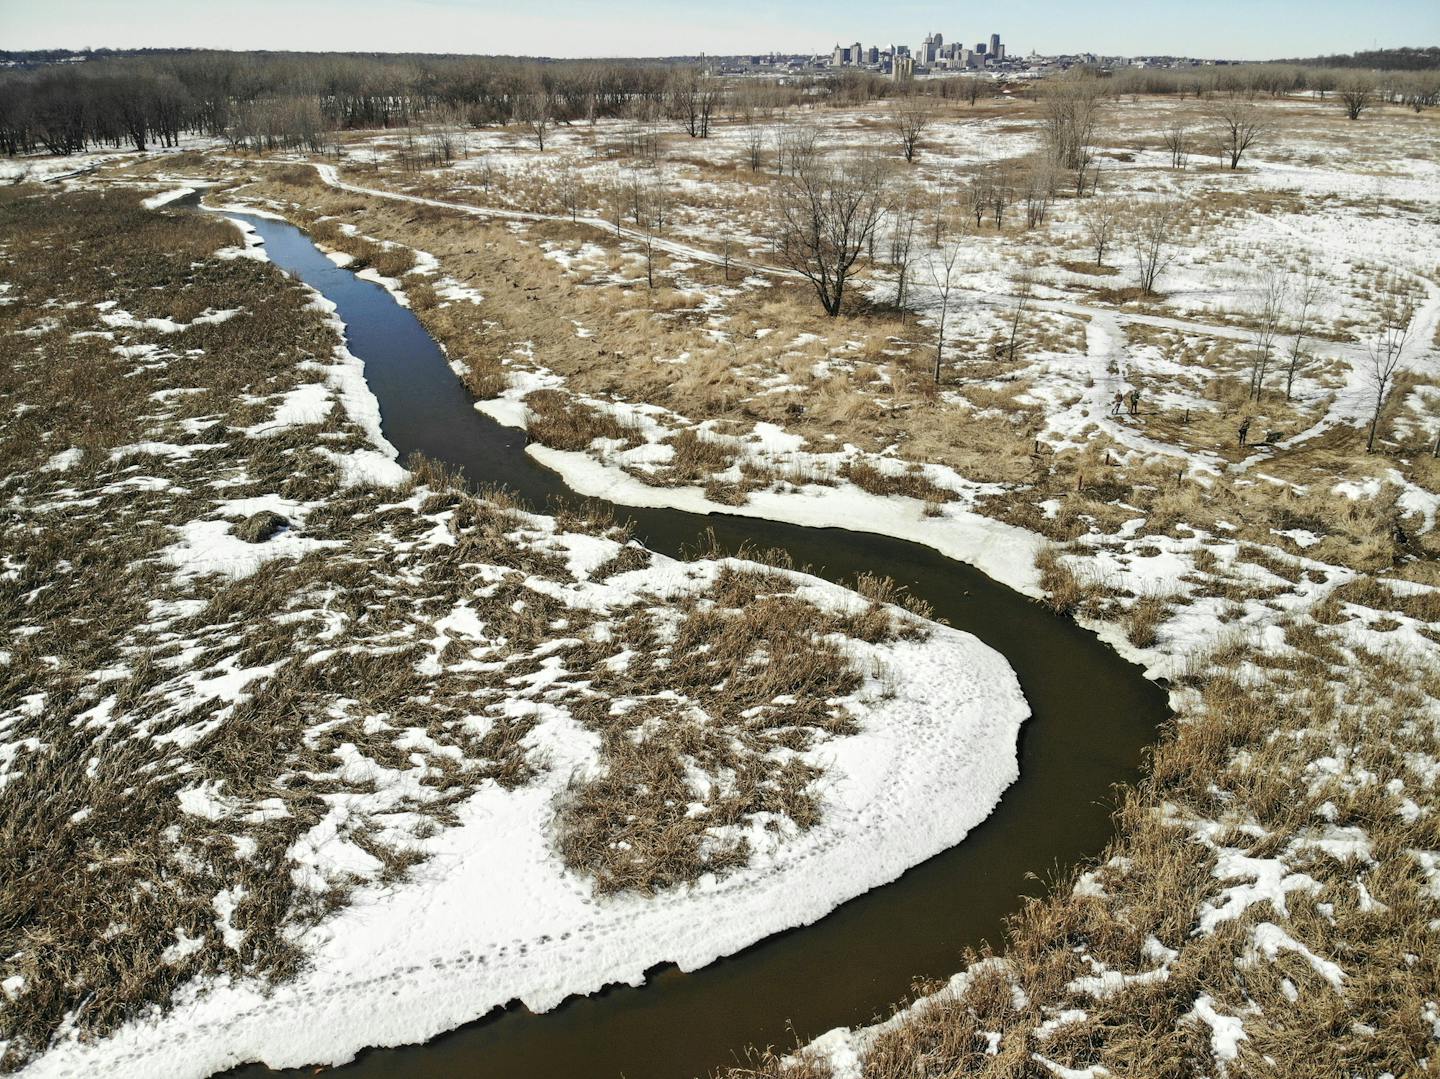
1419,89
270,100
1402,59
290,100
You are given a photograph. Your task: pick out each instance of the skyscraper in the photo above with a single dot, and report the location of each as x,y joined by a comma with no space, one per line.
995,45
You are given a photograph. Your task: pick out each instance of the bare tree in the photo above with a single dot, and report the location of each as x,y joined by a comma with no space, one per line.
694,97
977,198
942,274
710,100
1023,294
1001,193
1357,93
1238,123
1177,141
903,212
1272,301
651,208
685,99
1307,297
1152,239
1386,349
442,146
795,147
1100,219
938,207
642,135
1038,190
754,146
1071,106
824,213
617,197
910,115
484,173
535,114
568,182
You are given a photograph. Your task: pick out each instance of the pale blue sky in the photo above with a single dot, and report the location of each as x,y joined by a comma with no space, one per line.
1240,29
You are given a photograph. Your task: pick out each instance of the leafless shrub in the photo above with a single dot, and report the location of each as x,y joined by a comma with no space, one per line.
1269,312
910,115
1151,231
825,212
1387,347
1238,123
1177,141
1071,109
1101,219
1357,93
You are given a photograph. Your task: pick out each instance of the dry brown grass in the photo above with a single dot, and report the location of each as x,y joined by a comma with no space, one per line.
388,261
745,684
911,482
1090,268
259,527
1221,759
102,863
1144,618
554,419
531,300
1066,592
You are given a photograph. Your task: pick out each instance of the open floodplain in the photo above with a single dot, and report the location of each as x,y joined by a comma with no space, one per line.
310,744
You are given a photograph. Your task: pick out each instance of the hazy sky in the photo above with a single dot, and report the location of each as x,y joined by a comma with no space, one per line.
1241,29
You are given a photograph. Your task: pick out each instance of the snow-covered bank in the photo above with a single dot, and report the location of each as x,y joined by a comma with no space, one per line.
494,917
154,202
1000,551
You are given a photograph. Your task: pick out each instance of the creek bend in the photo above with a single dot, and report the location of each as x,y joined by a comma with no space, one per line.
1092,715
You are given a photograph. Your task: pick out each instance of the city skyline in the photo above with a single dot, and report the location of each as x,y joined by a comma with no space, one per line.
1229,29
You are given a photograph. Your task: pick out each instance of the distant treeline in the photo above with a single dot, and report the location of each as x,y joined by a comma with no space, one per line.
281,100
276,100
290,98
1417,89
1404,59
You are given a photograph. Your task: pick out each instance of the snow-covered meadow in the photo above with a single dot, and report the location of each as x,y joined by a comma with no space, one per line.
341,740
1085,442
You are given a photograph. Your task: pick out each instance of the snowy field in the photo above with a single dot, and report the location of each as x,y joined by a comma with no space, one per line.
416,812
1184,469
1087,442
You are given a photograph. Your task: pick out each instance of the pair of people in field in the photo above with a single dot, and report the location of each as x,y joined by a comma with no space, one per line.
1121,399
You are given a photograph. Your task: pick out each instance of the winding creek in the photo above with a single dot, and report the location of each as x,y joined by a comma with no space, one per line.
1093,714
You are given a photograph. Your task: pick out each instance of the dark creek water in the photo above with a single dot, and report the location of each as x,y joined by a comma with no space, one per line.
1092,715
